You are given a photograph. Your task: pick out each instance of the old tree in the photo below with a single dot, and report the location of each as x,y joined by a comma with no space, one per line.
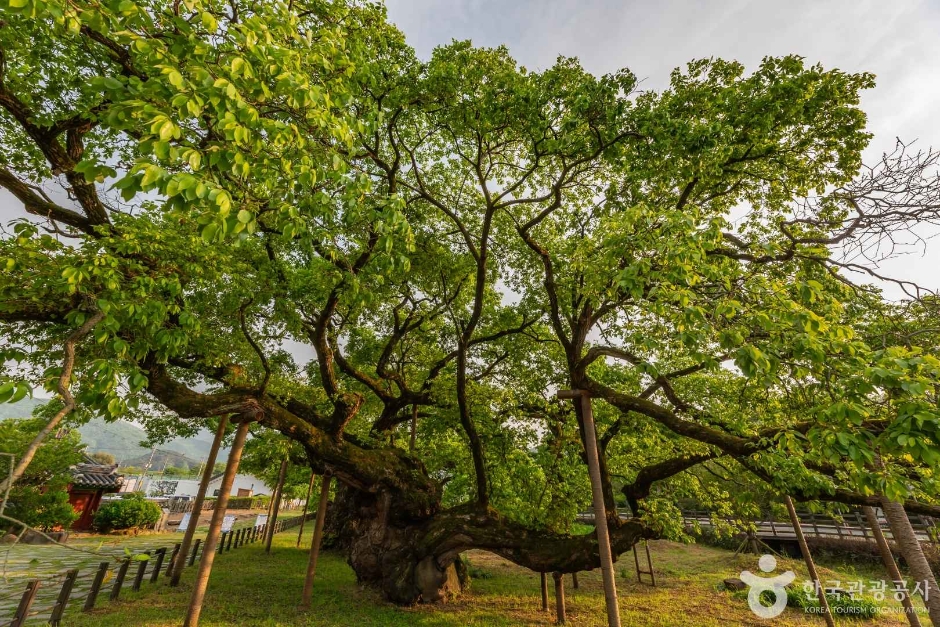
207,184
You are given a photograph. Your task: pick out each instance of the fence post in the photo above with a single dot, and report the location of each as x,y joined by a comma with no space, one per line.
139,577
161,554
222,542
858,518
25,603
59,609
192,556
95,587
228,547
173,557
119,580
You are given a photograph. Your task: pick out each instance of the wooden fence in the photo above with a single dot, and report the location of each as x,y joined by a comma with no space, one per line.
47,599
181,506
851,526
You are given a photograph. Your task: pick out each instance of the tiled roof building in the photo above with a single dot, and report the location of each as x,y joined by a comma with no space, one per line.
91,481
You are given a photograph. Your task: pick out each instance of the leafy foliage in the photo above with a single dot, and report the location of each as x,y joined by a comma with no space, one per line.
40,498
131,511
456,239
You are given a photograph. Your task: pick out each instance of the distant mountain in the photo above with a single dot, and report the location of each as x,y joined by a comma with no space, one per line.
123,440
21,409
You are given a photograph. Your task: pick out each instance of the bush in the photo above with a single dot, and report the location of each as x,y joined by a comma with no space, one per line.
130,512
842,605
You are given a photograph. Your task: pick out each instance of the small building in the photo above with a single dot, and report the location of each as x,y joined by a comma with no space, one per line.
90,482
243,485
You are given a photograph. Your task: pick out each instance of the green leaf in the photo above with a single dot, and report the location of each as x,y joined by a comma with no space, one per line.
6,391
209,22
210,231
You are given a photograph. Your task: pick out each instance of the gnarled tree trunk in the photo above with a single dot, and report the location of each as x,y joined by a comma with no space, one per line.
385,551
418,560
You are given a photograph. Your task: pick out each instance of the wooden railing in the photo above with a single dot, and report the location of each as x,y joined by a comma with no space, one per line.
180,506
51,596
852,526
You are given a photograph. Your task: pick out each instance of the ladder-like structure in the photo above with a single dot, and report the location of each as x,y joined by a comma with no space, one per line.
649,564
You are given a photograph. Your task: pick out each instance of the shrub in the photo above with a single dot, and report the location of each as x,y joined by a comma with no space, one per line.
842,605
130,512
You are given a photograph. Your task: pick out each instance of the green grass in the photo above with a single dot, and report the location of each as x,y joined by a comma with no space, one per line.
253,589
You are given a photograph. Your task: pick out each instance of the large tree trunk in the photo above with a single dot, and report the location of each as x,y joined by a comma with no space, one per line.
388,517
387,553
418,560
913,554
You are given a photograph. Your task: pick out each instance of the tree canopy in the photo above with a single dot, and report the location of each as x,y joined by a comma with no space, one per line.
455,239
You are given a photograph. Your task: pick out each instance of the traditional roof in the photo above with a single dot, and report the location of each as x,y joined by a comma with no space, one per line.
93,475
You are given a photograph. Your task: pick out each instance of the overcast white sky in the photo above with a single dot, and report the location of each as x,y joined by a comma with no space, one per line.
899,41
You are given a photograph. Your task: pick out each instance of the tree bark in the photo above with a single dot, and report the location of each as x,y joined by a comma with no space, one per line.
413,436
303,516
890,565
910,548
276,505
215,527
317,539
180,563
810,564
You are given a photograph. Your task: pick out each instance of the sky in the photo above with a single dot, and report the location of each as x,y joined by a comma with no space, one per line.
898,41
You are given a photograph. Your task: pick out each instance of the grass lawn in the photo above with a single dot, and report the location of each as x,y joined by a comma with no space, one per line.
251,588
